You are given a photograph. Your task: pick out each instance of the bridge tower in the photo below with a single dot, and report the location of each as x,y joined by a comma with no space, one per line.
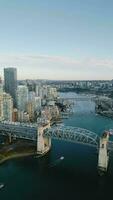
43,143
103,156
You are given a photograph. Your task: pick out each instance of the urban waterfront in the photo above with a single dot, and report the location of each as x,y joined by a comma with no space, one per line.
74,177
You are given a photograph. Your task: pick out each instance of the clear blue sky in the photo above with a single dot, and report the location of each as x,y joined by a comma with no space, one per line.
57,39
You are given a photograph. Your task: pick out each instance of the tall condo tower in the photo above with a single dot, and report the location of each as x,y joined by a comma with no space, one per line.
1,86
10,80
22,97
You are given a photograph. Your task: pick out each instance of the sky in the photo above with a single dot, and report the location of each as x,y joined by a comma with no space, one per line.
57,39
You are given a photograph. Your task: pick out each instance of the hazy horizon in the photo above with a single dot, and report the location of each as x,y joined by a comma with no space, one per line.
61,40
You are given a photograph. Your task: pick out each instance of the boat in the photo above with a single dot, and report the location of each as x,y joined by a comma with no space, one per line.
1,185
62,158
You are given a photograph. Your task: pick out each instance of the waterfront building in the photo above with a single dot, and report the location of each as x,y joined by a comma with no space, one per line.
54,111
37,103
23,116
45,114
37,90
31,96
50,112
34,107
0,79
51,93
31,110
31,105
22,97
7,107
26,117
1,107
40,94
44,91
10,82
1,87
15,115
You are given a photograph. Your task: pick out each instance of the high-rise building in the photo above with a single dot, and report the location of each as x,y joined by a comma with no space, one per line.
31,110
37,103
10,81
34,107
51,93
7,107
22,97
31,105
15,115
23,116
1,87
1,107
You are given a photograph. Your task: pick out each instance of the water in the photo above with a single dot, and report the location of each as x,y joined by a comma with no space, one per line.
74,177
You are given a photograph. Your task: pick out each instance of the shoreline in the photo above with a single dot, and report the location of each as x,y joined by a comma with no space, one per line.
107,115
18,155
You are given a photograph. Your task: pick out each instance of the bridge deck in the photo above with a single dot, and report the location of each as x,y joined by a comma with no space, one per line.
19,130
67,133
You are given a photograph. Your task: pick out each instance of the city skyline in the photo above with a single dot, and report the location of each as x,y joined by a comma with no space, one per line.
64,40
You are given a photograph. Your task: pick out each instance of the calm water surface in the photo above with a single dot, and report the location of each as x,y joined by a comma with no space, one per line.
75,177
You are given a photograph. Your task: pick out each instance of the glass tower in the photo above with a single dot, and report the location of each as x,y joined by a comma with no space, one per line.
10,82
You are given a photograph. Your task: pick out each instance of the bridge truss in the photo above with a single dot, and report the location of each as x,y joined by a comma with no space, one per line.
73,134
66,133
22,131
81,98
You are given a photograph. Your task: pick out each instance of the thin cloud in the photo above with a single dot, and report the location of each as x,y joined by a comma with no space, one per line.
48,66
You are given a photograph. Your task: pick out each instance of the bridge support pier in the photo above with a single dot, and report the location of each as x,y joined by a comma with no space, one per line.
43,143
103,156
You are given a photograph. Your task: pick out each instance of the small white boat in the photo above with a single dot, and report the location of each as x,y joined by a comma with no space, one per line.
1,185
62,158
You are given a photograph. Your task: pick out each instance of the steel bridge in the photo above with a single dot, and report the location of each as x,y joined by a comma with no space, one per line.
66,133
73,134
19,130
43,134
81,98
